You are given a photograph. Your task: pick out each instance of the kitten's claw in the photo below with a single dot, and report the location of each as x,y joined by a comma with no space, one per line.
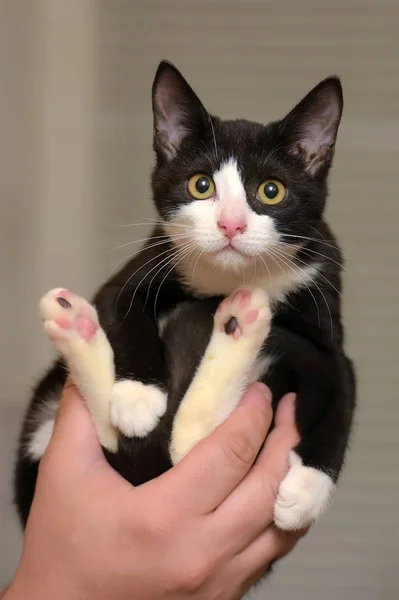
67,318
303,496
245,314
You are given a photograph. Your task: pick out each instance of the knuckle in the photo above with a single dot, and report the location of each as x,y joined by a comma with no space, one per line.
241,450
193,576
270,486
157,525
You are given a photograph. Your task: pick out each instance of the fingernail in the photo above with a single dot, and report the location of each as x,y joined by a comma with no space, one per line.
264,390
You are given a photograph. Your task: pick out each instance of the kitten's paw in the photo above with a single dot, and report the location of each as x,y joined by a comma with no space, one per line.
136,408
68,318
303,496
245,315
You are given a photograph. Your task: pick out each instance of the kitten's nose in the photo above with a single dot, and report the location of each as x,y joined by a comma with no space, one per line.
232,227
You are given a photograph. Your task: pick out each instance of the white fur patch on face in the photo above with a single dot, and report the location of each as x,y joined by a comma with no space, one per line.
210,266
303,496
230,191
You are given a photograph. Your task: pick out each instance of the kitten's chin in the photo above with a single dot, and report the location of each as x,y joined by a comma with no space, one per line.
230,259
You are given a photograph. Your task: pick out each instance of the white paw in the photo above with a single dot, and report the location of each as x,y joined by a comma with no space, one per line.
68,318
303,496
136,408
245,315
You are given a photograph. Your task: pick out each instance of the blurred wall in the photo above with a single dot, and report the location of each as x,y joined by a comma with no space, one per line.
76,157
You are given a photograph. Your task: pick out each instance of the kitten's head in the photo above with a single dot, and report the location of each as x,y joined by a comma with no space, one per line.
234,192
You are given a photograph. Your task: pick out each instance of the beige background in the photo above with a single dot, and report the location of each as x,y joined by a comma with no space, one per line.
75,157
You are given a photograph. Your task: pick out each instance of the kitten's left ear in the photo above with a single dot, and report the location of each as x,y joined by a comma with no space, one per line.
313,124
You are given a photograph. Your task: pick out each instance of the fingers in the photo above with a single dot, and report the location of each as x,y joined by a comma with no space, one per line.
285,415
272,545
74,432
249,509
209,473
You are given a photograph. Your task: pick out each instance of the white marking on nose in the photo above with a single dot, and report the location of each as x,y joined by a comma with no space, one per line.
232,201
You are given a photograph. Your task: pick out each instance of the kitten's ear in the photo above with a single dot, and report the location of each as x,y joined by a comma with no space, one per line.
313,124
178,112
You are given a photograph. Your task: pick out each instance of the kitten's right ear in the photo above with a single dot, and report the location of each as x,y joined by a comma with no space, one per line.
178,112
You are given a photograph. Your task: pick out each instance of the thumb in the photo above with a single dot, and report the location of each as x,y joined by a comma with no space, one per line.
217,464
74,431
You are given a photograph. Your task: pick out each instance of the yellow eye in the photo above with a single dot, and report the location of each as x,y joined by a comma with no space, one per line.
271,191
201,186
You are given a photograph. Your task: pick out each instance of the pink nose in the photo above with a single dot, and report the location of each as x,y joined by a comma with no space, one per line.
232,227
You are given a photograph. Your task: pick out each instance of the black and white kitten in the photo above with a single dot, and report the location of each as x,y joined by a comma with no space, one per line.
239,281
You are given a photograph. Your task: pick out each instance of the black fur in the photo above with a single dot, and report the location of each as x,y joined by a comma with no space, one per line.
306,339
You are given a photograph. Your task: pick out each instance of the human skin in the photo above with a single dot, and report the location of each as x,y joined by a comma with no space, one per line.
202,530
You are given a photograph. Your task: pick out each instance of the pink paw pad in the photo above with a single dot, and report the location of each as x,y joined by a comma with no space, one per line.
87,328
64,323
243,312
68,317
251,316
242,297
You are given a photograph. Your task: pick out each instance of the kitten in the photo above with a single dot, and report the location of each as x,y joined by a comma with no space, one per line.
169,345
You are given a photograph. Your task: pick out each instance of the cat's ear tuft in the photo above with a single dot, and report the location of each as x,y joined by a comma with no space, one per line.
313,124
178,112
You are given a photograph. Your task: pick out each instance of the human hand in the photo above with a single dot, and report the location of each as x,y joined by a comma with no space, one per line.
202,530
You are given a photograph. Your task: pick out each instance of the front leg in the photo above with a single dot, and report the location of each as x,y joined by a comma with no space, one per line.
72,325
127,405
324,412
241,325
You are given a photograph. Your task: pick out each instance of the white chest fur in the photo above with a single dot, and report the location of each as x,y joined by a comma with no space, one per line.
277,278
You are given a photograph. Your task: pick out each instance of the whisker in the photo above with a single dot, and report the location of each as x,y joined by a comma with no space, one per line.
184,255
209,159
243,276
320,291
152,237
166,259
306,265
272,153
267,267
271,252
196,262
254,270
303,249
309,239
130,256
139,269
319,233
146,223
214,136
152,222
